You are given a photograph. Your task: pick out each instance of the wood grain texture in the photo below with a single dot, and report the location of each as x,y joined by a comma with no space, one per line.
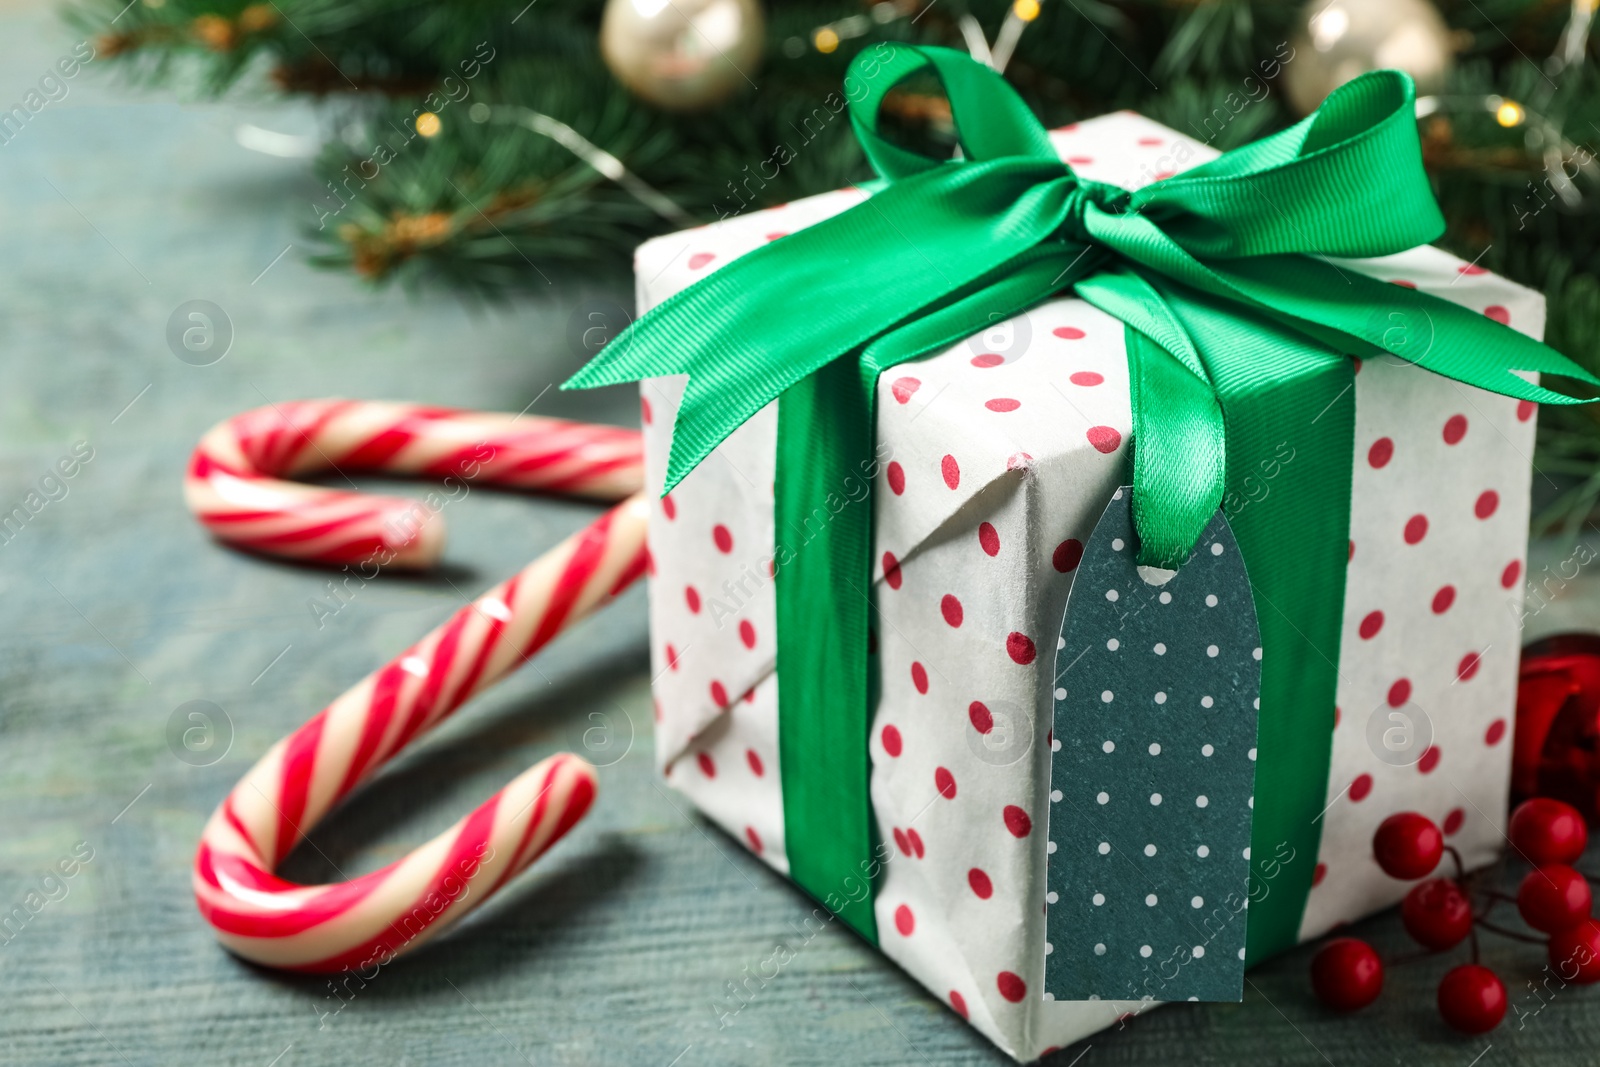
620,946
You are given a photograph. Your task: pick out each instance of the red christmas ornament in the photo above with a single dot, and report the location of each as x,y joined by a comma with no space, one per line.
1346,974
1547,831
1437,913
1556,747
1472,999
1553,897
1575,953
1407,846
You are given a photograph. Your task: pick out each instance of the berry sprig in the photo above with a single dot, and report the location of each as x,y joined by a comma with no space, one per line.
1439,914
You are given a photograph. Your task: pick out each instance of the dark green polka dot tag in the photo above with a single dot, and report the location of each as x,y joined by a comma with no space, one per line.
1153,774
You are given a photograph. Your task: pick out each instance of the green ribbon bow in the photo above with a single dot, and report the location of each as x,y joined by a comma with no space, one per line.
1240,332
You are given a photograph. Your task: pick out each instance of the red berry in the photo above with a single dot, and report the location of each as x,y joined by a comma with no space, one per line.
1548,831
1346,974
1575,952
1472,999
1407,846
1437,913
1553,897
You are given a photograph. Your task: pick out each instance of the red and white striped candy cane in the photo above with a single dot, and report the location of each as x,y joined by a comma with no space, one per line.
369,920
235,480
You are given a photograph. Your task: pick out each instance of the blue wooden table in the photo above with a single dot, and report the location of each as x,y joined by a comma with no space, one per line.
620,946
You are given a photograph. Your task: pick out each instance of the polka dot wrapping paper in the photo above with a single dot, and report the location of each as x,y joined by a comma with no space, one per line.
999,457
1157,688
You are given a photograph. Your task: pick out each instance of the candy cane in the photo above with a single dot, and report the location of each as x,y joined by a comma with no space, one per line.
367,921
235,480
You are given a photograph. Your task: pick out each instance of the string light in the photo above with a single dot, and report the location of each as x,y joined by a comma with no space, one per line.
1509,114
1026,10
428,124
826,40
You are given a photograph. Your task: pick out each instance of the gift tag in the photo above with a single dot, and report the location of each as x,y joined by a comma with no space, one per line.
1153,775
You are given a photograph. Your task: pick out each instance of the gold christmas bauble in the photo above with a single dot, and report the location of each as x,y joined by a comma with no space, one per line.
682,54
1335,42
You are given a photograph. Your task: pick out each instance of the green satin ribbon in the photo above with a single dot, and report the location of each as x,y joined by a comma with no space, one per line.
1240,332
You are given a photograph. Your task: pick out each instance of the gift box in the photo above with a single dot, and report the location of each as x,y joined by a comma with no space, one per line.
995,457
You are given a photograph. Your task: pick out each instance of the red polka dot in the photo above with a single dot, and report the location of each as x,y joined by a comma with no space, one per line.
1381,452
1525,410
1002,403
982,887
1352,553
691,597
1488,501
774,235
700,259
672,657
1318,873
950,608
669,507
1468,667
1104,439
896,476
1455,428
747,633
988,359
1453,821
1012,987
1163,175
1020,648
958,1003
1471,268
919,678
754,838
707,766
753,758
1018,461
1513,571
1149,141
904,921
1429,760
891,570
914,839
1361,787
951,471
982,720
644,410
1416,529
722,538
1495,733
1498,314
1017,821
1399,692
1337,715
1067,555
945,782
1402,283
749,695
902,388
1068,333
988,539
902,842
1078,161
1371,625
1086,378
1443,599
891,740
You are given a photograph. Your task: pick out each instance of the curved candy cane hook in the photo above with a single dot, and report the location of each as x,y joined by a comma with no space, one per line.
369,920
235,484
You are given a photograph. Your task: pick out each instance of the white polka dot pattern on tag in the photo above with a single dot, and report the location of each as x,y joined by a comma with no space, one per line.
1211,600
1111,595
1165,597
1206,702
1116,544
1099,899
1203,851
1160,649
1216,548
1144,950
1109,747
1212,650
1099,950
1206,750
1113,644
1151,900
1106,697
1105,847
1155,748
1150,850
1198,902
1060,694
1161,698
1102,797
1201,801
1155,799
